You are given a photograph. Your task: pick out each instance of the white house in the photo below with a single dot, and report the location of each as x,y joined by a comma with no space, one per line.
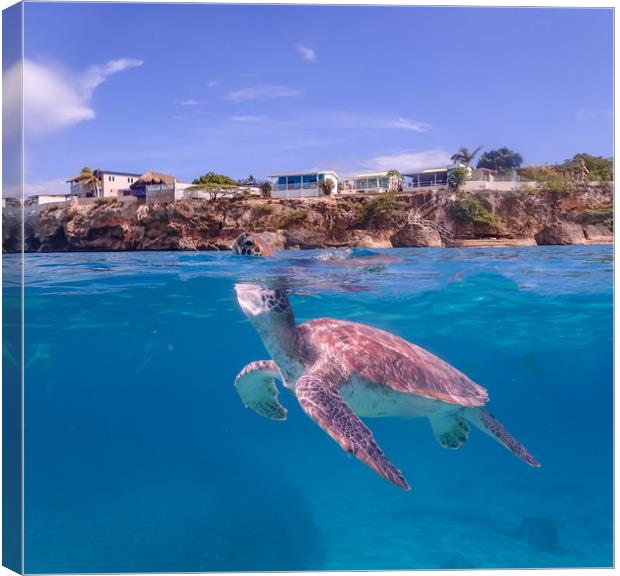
374,182
303,184
41,199
431,177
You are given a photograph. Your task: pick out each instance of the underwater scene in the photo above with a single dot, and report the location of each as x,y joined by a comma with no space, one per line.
140,454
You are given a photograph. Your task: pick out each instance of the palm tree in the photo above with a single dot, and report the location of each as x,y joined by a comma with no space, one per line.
395,179
90,178
464,156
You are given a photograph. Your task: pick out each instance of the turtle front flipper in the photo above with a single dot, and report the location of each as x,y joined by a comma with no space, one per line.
257,388
317,392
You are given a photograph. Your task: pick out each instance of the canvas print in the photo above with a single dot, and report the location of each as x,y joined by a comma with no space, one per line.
306,287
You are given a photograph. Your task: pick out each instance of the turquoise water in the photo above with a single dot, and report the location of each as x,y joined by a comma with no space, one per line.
141,457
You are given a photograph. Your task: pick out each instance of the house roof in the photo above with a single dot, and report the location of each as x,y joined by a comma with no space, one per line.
411,173
306,173
371,175
154,178
101,172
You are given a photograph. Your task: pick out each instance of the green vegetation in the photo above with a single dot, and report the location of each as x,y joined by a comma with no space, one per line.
465,156
561,178
457,177
386,208
262,211
395,180
467,209
503,160
215,185
293,218
599,169
91,179
213,179
103,201
265,189
601,215
327,186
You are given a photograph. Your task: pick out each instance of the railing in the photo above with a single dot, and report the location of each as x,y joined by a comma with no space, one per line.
414,218
302,186
297,192
417,215
417,185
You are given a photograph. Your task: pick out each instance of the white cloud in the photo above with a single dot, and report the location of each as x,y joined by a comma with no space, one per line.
53,99
57,186
96,75
408,161
213,83
247,118
264,91
406,124
585,114
46,187
191,102
308,54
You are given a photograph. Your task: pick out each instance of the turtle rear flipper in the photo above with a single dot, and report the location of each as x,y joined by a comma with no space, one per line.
257,388
490,425
450,429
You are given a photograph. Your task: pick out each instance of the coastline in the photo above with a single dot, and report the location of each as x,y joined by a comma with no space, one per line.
499,219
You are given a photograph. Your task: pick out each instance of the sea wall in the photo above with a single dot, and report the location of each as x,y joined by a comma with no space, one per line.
346,220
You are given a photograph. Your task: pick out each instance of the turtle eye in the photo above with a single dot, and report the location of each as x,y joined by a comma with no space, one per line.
249,243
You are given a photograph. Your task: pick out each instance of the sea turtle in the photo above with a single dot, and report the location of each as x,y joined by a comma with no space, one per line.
341,370
259,244
251,244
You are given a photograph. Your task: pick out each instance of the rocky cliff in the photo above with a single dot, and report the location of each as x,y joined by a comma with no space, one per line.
332,221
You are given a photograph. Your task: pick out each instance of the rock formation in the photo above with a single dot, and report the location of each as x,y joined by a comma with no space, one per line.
416,235
348,220
561,233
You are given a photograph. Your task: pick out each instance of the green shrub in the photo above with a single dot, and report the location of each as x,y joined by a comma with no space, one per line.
601,215
262,210
554,185
468,209
457,177
293,218
385,208
103,201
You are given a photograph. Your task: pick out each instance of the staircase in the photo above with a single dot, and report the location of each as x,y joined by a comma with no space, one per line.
419,216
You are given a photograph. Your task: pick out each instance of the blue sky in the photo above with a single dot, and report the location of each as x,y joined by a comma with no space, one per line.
185,89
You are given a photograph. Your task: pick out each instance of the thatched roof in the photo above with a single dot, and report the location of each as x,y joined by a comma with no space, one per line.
154,178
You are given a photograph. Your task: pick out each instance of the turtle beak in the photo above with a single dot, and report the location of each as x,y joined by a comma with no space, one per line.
249,298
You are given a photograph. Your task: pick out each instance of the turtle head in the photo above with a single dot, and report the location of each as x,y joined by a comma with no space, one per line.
269,311
248,244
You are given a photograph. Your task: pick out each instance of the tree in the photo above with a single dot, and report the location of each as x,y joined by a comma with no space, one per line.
395,180
597,168
465,156
502,160
327,186
215,185
211,178
457,177
91,179
265,189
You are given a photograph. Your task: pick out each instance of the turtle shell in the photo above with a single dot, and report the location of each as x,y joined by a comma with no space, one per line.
385,359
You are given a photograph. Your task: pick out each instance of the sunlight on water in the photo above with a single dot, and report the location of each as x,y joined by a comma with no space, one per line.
141,457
